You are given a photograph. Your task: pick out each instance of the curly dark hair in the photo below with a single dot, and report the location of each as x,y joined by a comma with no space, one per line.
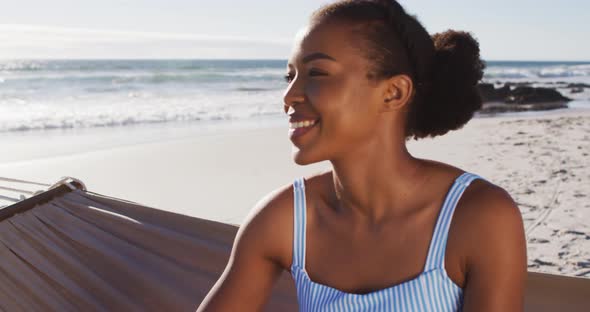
445,67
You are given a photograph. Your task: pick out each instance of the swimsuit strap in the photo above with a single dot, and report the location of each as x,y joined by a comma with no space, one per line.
438,243
299,219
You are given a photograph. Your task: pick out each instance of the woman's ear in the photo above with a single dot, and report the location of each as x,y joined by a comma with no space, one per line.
398,92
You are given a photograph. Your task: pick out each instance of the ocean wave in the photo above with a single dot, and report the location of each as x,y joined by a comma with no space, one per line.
72,123
136,65
254,89
142,77
77,123
534,71
17,115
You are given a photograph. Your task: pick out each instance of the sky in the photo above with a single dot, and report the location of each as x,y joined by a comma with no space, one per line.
264,29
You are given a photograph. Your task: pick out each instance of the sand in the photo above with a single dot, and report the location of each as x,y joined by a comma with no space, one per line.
541,160
544,163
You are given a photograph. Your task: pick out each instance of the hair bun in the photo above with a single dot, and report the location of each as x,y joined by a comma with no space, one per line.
457,54
454,96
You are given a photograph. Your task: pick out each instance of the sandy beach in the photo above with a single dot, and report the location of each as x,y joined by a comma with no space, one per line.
541,160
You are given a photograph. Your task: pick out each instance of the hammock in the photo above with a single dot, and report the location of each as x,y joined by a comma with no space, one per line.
69,249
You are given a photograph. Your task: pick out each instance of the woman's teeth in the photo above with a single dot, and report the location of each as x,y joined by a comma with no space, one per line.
302,124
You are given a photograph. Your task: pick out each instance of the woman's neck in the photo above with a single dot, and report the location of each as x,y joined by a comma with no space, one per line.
377,181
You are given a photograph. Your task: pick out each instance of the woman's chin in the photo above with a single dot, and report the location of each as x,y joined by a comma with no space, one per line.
301,158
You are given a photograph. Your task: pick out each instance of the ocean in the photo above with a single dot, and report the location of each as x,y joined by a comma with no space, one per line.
40,95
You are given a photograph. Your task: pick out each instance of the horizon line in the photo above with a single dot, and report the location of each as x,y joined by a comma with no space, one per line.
245,59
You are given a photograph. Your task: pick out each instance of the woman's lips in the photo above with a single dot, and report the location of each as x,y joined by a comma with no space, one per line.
296,132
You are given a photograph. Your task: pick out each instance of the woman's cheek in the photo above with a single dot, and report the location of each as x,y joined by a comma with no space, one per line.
323,95
319,87
312,91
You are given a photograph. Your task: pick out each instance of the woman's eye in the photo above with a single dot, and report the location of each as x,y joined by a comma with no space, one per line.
315,73
288,78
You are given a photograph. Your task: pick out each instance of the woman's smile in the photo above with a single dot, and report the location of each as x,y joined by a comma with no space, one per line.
299,128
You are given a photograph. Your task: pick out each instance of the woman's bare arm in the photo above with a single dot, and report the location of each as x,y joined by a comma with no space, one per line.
260,247
497,261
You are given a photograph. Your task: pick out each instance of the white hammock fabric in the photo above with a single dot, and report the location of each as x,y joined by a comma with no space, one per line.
82,251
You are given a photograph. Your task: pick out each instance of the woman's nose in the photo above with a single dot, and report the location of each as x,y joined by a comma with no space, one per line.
293,95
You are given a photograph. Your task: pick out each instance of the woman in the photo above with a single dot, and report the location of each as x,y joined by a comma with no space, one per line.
382,230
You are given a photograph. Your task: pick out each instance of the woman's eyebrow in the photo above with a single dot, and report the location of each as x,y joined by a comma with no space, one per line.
317,55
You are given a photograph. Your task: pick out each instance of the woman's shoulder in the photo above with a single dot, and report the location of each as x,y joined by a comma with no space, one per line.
488,231
483,203
277,205
481,194
487,215
483,200
270,221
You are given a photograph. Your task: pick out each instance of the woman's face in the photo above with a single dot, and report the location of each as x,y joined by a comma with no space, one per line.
328,88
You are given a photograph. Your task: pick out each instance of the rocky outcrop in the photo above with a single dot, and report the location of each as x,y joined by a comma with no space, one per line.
495,107
577,85
490,94
531,95
516,97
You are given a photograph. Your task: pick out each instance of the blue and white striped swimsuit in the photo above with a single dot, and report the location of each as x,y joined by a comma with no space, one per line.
432,290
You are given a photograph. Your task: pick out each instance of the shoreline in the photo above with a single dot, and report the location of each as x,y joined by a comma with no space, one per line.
23,144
